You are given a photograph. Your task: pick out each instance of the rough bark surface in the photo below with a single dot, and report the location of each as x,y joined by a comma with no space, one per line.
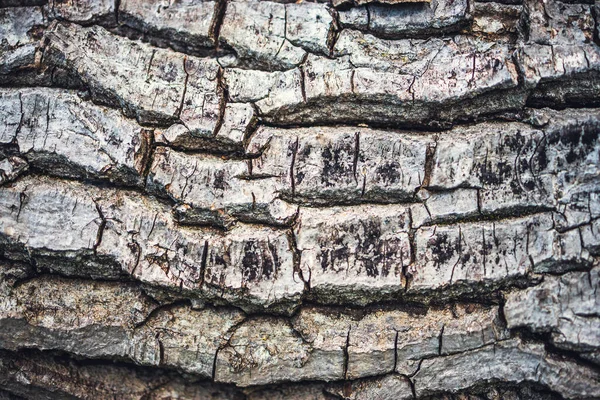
345,199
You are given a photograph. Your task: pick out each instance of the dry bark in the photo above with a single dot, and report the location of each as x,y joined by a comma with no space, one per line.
245,199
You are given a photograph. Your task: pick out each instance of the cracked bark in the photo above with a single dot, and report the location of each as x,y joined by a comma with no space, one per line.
266,199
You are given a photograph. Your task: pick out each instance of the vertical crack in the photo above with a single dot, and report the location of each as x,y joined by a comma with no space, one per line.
284,31
135,246
412,248
364,186
472,80
251,128
501,315
146,154
101,227
302,82
187,180
429,161
22,200
161,350
356,153
417,370
410,381
460,240
346,354
412,387
217,21
47,124
484,253
150,65
22,117
214,366
410,89
225,341
297,261
223,92
441,340
153,225
396,351
117,7
185,84
292,177
203,262
334,30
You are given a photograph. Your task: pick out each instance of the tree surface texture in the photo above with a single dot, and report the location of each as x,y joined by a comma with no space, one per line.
353,199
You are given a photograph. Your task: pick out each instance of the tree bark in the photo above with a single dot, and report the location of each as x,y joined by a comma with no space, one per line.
245,199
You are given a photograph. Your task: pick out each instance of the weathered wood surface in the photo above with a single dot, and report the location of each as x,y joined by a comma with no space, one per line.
244,199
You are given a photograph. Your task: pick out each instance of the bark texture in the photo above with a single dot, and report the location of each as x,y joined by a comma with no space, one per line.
354,199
